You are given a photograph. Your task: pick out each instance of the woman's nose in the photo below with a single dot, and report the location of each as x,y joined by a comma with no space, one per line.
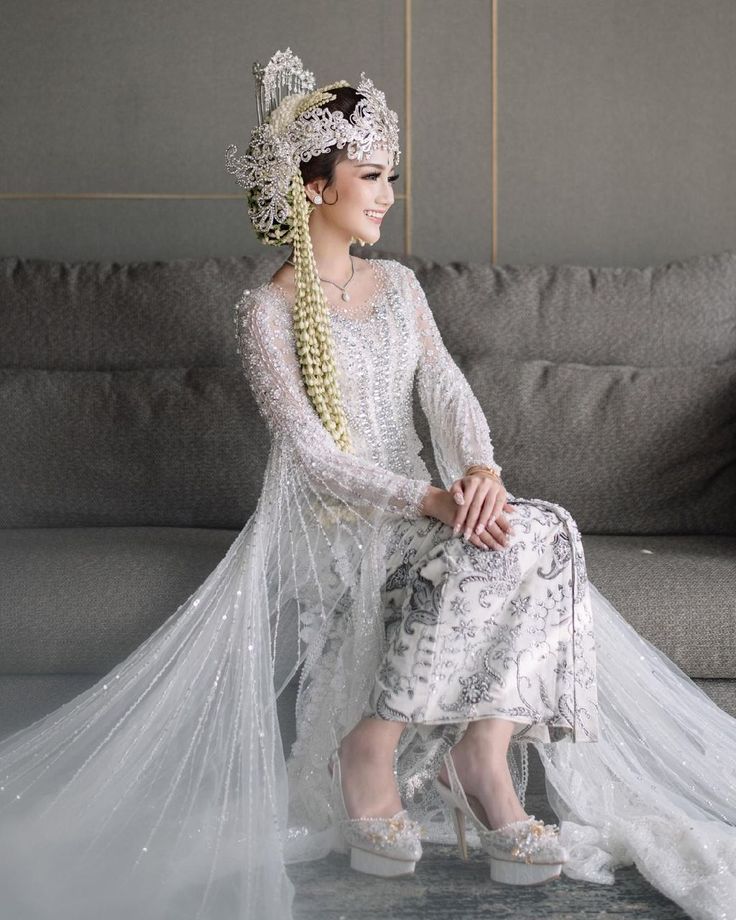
386,196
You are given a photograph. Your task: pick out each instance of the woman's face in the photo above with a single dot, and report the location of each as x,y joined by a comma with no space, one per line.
360,189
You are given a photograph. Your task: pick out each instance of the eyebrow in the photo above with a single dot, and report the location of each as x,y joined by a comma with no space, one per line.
379,165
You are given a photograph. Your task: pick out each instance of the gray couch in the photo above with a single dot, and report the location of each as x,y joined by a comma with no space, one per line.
132,451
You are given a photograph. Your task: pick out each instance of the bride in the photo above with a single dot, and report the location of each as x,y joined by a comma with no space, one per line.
436,631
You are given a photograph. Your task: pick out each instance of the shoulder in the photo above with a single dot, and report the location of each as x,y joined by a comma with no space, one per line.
396,267
260,297
402,274
257,309
283,277
406,281
402,278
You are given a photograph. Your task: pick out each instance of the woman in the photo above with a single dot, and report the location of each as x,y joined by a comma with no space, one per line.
163,791
527,676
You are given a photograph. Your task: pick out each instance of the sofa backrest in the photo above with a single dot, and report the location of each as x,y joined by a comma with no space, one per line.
611,391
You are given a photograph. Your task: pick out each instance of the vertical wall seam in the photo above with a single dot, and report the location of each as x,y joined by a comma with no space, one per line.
407,120
494,129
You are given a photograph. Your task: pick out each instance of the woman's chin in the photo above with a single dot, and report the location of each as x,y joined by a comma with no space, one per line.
373,234
363,238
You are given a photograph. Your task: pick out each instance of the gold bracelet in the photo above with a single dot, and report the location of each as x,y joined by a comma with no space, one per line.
478,468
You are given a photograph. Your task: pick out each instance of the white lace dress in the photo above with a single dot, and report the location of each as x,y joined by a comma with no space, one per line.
163,791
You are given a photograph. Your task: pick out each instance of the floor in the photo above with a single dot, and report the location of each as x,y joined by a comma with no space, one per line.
444,887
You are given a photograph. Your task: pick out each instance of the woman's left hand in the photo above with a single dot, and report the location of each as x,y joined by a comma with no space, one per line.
485,498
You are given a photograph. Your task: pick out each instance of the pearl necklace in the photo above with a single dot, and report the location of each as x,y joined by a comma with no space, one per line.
345,295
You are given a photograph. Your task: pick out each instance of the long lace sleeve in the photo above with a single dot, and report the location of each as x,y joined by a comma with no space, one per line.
458,427
266,346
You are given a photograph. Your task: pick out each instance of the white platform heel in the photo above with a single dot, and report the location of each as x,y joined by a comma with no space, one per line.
526,852
379,846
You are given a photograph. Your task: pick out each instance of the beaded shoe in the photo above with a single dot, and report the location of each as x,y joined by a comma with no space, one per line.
526,852
378,846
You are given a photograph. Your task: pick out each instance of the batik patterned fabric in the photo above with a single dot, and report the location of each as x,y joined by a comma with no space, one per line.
474,633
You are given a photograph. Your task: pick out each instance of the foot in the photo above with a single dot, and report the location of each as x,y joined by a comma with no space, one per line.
368,782
488,785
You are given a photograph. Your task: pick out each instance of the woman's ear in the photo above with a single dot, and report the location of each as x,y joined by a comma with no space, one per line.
313,189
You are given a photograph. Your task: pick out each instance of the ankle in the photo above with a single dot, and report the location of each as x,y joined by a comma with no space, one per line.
368,784
365,750
488,734
372,740
477,760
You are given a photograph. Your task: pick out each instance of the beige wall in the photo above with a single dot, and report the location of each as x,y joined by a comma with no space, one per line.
594,131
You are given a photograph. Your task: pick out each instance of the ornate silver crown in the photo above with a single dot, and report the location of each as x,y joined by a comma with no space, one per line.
282,138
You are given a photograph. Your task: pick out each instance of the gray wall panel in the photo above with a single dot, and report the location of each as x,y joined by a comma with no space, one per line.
140,230
451,114
144,98
615,141
616,130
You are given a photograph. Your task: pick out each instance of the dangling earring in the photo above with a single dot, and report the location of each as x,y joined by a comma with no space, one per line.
318,198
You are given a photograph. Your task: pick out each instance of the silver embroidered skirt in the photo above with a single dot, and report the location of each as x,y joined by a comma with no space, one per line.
474,633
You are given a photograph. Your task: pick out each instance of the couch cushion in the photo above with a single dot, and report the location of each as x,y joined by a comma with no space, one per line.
162,446
624,449
677,592
99,315
109,315
78,600
679,312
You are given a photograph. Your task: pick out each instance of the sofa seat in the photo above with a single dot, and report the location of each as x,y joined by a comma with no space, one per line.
676,591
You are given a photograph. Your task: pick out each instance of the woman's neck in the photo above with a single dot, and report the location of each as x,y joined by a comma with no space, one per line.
331,250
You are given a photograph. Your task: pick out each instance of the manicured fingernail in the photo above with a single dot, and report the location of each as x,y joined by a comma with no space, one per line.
479,528
456,529
467,534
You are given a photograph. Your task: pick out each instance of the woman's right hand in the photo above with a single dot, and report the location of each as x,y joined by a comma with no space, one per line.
440,504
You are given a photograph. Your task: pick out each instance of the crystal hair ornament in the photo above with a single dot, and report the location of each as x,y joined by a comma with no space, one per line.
283,76
293,127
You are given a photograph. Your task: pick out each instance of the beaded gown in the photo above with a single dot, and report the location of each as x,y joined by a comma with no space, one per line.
163,791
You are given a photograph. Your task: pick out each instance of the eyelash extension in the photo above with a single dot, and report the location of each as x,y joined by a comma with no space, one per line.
374,174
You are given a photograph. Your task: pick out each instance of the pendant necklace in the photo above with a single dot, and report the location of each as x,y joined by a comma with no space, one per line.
345,295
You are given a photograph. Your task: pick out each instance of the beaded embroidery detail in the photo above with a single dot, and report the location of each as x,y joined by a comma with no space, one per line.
378,364
530,840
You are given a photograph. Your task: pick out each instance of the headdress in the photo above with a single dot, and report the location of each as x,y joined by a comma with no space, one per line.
294,126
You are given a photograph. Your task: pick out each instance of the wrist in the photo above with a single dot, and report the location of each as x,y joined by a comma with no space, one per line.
483,470
428,501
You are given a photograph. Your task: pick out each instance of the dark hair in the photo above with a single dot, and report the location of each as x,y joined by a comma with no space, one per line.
323,165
